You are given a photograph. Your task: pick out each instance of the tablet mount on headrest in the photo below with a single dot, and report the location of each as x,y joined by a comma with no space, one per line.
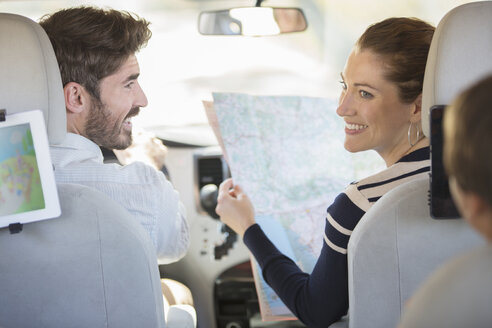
13,227
28,190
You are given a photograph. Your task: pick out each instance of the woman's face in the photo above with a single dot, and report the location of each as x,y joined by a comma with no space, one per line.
374,116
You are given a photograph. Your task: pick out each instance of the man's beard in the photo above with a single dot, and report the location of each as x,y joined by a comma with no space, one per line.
105,132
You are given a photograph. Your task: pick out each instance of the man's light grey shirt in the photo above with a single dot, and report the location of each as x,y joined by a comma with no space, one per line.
138,187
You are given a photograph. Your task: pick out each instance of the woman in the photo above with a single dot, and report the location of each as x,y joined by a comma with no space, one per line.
380,103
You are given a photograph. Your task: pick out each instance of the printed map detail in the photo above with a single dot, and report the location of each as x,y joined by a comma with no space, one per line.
20,185
287,153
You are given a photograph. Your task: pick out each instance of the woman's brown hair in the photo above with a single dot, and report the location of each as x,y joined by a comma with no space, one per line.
404,44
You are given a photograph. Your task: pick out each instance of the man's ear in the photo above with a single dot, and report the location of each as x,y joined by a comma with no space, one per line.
416,114
476,206
475,210
76,98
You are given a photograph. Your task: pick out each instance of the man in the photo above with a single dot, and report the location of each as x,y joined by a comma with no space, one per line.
95,49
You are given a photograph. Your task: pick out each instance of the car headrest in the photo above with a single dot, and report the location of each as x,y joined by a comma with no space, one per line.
459,55
30,76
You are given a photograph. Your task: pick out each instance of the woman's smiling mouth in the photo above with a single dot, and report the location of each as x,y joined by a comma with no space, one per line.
352,128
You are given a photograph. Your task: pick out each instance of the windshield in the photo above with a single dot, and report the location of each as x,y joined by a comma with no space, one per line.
180,67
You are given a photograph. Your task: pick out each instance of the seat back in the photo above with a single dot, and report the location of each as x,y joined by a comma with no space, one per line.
458,57
94,266
397,244
30,76
456,295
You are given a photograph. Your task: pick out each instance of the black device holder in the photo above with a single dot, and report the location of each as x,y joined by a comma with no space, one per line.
440,200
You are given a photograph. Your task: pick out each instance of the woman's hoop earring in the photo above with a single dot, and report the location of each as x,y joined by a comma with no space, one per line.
410,132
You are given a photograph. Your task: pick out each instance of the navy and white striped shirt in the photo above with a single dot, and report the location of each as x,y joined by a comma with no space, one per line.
321,298
349,207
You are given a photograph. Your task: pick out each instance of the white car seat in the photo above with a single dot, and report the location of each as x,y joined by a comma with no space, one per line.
397,244
94,266
459,294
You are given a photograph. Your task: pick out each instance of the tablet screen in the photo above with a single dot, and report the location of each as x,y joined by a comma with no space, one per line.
27,187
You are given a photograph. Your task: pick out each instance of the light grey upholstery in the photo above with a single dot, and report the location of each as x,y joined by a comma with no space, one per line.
397,245
393,249
30,78
94,266
459,55
458,295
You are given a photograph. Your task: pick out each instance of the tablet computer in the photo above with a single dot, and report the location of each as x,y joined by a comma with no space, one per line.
441,202
27,185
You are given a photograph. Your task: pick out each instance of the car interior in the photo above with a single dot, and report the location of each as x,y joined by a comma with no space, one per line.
94,266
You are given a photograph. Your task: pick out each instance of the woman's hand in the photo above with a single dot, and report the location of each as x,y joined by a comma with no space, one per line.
234,207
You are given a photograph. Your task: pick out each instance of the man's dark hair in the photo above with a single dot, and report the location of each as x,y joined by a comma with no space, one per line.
92,43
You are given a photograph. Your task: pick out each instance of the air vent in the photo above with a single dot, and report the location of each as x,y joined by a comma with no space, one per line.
210,171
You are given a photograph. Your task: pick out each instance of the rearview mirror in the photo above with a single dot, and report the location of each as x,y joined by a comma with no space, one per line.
252,21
